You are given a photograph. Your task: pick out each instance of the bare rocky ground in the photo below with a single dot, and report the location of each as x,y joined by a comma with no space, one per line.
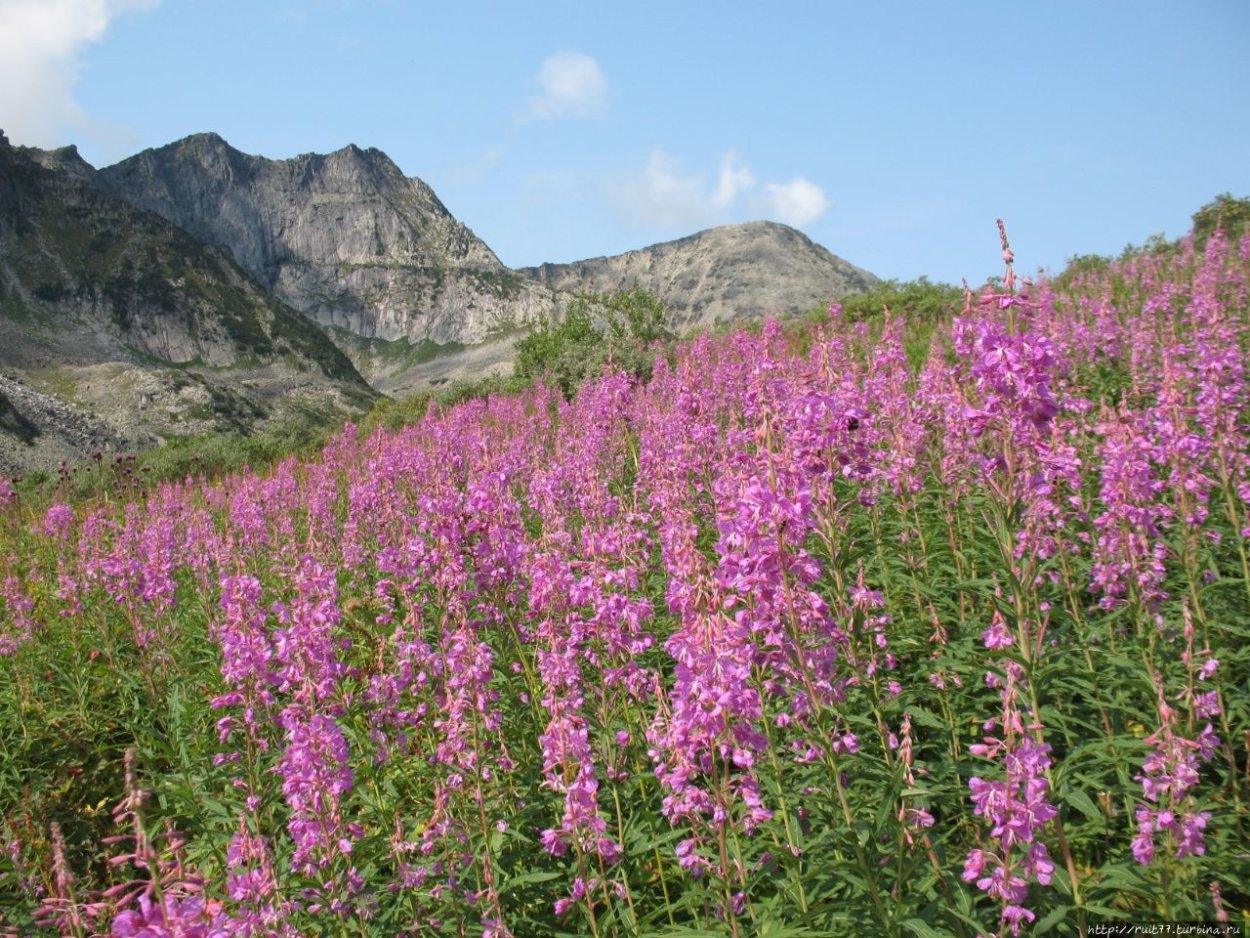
64,414
53,414
61,400
44,431
469,364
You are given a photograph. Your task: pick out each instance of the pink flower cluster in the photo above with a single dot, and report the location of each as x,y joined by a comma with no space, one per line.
1017,807
1170,773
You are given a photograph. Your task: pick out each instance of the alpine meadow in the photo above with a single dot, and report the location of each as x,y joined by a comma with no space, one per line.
924,621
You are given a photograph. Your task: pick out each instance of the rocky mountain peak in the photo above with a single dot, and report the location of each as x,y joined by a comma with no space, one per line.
208,150
739,271
63,160
205,139
344,237
116,312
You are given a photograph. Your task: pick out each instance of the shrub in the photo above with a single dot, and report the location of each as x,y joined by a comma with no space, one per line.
596,329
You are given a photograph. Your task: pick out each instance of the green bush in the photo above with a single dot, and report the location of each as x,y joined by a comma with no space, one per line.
919,299
597,328
1224,212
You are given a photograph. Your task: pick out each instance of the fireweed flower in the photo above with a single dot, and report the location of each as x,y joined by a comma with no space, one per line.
1130,551
868,647
164,898
567,636
59,521
257,909
766,512
251,880
248,661
997,635
61,908
568,759
398,694
170,917
1015,438
916,819
1168,776
433,569
306,645
18,624
201,548
1017,807
316,775
1012,374
137,571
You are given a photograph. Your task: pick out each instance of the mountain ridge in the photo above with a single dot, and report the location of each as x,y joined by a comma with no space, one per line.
126,317
196,280
345,237
356,245
781,272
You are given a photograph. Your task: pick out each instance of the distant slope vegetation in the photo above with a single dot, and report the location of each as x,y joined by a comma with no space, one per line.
124,313
733,272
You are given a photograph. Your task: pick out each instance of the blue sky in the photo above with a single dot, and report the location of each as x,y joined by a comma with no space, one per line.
892,133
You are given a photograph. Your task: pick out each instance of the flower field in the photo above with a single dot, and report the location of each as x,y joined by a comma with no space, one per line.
886,628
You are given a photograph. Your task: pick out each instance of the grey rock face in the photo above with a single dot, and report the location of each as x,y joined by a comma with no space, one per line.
201,257
65,160
355,245
124,315
345,238
744,271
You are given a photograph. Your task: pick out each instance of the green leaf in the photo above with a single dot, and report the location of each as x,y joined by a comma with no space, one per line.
1083,803
526,879
1125,878
922,929
1104,910
925,718
1051,919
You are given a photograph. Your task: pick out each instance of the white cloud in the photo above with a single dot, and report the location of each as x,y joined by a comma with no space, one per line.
734,179
476,171
798,202
664,195
40,45
570,85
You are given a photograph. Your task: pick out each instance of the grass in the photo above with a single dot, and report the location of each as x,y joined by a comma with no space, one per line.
737,650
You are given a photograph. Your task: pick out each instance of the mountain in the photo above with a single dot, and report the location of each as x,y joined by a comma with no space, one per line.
402,287
723,274
117,327
195,287
345,238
